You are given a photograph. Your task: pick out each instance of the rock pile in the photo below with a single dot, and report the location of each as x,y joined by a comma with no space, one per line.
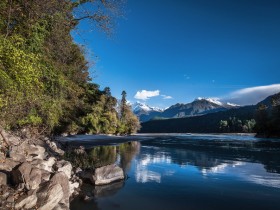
33,175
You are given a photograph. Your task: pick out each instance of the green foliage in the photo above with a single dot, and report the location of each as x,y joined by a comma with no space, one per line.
44,78
129,123
103,117
234,124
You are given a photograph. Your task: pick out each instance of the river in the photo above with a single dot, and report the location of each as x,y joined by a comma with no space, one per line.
188,172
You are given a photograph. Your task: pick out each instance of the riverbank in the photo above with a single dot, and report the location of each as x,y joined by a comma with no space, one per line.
45,174
33,174
98,140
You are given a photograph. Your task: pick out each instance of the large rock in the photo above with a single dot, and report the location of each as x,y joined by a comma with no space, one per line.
73,186
54,148
9,138
45,175
46,165
27,152
65,167
26,202
21,174
2,155
107,174
55,193
31,177
35,178
17,154
49,196
3,179
35,152
8,164
62,179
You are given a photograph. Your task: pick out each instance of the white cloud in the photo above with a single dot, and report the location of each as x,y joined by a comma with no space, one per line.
166,97
146,94
252,95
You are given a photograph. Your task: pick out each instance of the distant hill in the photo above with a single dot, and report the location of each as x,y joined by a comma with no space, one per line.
207,123
200,106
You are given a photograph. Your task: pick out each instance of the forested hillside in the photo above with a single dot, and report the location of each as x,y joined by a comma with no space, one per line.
44,77
209,123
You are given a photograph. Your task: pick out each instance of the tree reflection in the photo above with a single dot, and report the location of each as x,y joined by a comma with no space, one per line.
127,152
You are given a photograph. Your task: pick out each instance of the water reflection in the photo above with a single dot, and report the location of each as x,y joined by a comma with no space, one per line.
252,165
178,173
127,152
142,172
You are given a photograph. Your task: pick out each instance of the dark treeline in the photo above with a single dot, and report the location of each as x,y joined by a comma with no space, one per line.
268,118
44,80
209,123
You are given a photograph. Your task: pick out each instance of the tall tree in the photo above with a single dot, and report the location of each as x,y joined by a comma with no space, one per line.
123,106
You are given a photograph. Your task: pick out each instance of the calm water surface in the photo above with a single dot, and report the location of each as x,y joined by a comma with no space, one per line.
191,172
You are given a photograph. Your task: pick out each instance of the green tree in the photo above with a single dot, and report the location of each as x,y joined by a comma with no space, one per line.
123,105
224,126
44,79
129,123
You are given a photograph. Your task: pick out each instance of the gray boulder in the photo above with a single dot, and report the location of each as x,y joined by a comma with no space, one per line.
35,178
3,179
26,202
9,138
62,179
46,165
21,174
8,164
64,166
55,193
73,186
46,175
27,152
54,148
49,196
107,174
31,177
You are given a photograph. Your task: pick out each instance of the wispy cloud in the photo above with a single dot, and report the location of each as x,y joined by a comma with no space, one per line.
146,94
252,95
186,76
166,97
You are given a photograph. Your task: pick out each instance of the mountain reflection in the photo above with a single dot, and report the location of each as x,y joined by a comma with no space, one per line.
150,156
206,158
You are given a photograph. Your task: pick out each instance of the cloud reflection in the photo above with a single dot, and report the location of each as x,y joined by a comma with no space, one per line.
142,172
251,172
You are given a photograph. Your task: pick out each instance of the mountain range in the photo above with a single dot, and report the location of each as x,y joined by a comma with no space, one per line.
207,122
199,106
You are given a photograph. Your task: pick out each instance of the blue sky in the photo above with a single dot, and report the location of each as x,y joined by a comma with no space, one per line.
186,49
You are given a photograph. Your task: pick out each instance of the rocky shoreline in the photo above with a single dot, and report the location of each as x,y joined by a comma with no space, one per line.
34,175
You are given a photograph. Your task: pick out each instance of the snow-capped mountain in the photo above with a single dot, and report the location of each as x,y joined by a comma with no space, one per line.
216,101
138,107
145,112
199,106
